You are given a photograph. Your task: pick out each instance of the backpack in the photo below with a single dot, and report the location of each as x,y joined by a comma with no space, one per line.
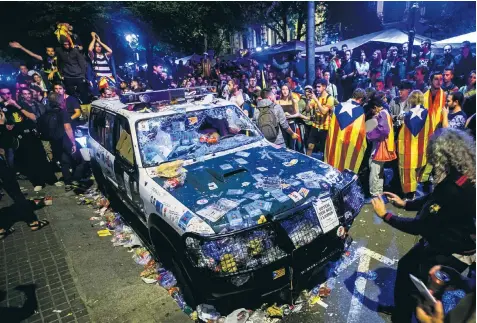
50,125
267,123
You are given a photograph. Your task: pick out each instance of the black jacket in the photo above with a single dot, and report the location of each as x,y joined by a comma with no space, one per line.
445,218
71,63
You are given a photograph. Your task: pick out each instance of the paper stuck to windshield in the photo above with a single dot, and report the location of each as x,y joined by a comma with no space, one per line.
216,211
326,214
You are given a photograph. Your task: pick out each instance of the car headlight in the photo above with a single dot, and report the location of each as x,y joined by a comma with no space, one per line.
303,227
352,199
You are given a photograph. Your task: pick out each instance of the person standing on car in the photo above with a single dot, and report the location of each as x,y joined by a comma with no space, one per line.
103,74
445,218
271,119
72,66
346,141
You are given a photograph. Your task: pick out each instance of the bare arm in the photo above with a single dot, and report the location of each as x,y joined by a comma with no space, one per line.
71,137
468,121
29,115
323,108
76,115
445,117
109,51
29,52
91,45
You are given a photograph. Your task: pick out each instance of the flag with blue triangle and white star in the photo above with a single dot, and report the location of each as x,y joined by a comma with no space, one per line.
346,141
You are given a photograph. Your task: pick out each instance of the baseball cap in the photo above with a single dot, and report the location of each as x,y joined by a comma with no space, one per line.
309,87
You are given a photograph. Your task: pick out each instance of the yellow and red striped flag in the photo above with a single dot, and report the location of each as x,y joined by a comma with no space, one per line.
346,141
412,144
435,106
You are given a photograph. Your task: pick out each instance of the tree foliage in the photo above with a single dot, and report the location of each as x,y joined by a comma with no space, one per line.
456,18
173,26
353,18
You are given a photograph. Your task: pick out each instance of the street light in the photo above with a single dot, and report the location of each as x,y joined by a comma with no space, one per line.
133,42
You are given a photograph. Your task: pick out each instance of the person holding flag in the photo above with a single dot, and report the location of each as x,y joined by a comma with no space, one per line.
346,141
434,101
412,143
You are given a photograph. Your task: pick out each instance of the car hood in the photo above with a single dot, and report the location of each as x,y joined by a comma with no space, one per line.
248,187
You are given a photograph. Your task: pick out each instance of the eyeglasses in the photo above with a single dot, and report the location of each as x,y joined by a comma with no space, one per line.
447,50
6,93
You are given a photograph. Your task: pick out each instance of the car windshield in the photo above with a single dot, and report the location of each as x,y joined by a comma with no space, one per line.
193,134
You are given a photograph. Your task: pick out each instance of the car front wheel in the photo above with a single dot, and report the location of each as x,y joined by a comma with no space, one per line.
170,258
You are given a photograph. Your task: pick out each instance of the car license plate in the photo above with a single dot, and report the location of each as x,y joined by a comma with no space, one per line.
326,214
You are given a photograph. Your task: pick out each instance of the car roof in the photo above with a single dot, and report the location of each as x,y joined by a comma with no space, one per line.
115,106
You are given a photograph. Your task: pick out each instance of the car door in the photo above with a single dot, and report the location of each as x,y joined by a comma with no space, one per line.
125,167
101,133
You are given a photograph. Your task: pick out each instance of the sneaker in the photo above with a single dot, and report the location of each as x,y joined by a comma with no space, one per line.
68,187
59,184
38,188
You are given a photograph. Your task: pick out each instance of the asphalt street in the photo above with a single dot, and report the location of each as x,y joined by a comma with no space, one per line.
108,283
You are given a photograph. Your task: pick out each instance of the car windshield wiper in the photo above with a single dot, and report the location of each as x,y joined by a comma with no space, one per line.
230,135
184,152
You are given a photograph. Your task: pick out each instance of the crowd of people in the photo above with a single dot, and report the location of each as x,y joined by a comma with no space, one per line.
410,117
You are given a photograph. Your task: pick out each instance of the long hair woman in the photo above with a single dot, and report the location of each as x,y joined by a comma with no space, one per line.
469,88
377,61
290,107
445,218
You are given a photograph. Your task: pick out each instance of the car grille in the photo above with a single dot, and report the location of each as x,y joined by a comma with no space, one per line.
237,252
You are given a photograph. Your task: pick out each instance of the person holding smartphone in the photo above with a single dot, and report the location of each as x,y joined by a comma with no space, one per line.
445,218
465,309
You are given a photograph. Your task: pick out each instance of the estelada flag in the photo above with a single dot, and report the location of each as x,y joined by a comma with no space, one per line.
346,141
412,144
435,106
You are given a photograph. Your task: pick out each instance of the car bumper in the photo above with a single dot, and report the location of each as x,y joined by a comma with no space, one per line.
296,269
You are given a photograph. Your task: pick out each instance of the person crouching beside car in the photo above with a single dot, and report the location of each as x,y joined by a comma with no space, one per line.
382,137
445,218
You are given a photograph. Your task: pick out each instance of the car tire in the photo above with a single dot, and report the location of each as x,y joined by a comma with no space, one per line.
169,257
99,178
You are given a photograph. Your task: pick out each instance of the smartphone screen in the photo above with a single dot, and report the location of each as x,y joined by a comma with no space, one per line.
428,298
385,199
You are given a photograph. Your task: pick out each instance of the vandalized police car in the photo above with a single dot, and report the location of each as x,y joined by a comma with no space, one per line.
227,211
